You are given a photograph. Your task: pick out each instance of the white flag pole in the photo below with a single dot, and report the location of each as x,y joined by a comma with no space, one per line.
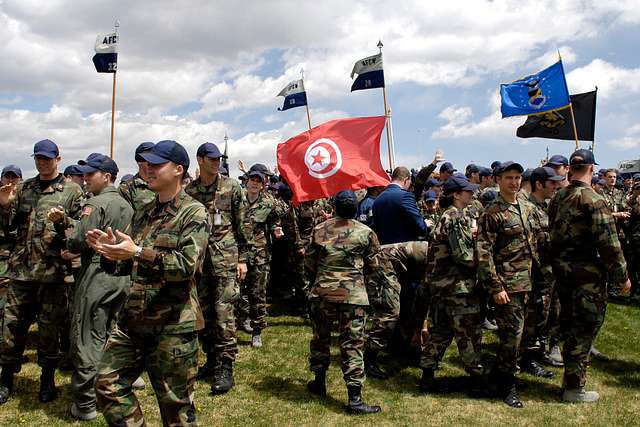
113,101
305,94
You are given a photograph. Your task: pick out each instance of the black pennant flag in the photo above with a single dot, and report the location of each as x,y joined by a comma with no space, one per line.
558,124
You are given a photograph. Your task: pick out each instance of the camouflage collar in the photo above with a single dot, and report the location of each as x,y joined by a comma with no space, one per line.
57,184
172,207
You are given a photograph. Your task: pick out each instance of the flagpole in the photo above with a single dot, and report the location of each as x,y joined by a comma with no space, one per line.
575,129
306,105
113,105
387,114
593,121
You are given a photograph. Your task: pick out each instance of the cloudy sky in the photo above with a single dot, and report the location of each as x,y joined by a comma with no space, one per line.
193,70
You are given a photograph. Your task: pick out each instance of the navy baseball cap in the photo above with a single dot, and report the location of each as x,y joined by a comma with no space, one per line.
636,185
458,183
488,196
126,178
145,146
582,157
558,160
98,162
485,171
12,169
509,165
544,174
636,176
447,167
255,174
495,164
346,203
261,168
472,168
209,149
430,196
72,171
46,148
434,183
527,174
167,151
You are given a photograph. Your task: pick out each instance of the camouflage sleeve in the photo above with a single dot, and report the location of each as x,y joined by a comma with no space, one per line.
311,259
241,228
421,179
487,232
370,255
604,228
460,242
125,191
184,261
90,218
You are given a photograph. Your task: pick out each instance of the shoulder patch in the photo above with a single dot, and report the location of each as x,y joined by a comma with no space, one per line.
86,211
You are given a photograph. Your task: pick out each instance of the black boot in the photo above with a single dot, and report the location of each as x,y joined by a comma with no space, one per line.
356,405
371,367
319,385
509,393
48,391
478,387
597,355
207,370
427,382
531,367
6,383
223,378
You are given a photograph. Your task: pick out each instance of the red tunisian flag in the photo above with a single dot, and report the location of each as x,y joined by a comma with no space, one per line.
337,155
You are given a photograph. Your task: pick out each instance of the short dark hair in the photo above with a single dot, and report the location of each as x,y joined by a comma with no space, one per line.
611,170
400,173
578,168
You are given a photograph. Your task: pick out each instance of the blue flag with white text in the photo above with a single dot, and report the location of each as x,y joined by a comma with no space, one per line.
106,57
537,93
370,73
294,95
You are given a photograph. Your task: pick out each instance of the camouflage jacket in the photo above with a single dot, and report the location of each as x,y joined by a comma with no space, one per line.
230,239
409,260
36,255
163,285
451,268
583,239
341,254
544,270
306,216
263,216
634,225
507,246
136,191
615,199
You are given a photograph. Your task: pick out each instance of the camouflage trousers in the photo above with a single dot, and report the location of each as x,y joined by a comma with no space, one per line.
4,289
171,360
218,296
253,296
552,329
583,307
351,327
536,317
95,308
25,302
454,317
386,309
510,321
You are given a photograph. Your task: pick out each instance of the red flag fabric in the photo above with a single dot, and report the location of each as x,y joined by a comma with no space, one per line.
337,155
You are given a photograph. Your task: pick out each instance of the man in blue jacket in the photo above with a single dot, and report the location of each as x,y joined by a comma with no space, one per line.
395,212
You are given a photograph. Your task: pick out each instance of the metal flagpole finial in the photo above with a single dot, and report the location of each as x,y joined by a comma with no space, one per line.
117,25
380,45
226,138
302,73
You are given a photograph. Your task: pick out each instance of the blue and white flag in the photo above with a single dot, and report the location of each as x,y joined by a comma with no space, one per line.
294,95
369,71
544,91
106,57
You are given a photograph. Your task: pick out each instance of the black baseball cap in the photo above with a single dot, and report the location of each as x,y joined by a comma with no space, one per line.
46,148
12,169
558,160
582,157
98,162
457,183
507,166
447,167
209,149
167,151
145,146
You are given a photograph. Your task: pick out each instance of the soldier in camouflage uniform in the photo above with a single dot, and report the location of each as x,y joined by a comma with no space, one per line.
225,265
263,215
586,253
506,245
544,183
11,175
341,254
35,268
634,238
451,277
98,297
158,328
136,191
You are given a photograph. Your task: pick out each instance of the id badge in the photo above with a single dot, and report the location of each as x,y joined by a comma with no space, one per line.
217,218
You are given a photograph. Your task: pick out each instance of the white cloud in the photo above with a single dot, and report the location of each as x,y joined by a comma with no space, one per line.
460,124
613,82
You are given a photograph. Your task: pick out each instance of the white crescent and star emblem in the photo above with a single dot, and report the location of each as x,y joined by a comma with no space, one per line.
323,158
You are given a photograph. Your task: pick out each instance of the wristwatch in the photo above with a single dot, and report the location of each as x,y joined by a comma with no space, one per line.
138,252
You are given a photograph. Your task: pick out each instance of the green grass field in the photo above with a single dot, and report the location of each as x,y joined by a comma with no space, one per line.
271,389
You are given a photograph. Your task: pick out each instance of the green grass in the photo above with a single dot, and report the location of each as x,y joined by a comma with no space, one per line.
271,389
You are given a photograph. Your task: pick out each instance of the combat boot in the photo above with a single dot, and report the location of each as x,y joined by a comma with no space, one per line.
356,405
6,383
579,395
489,325
223,378
478,387
318,386
427,382
48,391
208,369
371,367
595,354
531,367
556,355
509,392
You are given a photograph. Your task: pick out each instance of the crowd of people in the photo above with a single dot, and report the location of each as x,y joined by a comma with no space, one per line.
140,276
